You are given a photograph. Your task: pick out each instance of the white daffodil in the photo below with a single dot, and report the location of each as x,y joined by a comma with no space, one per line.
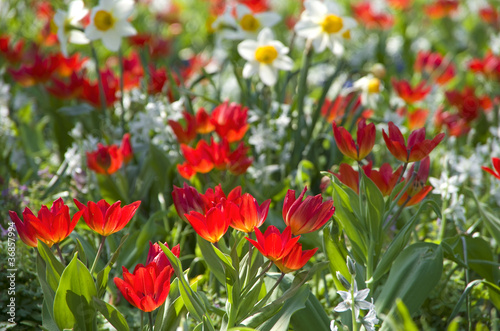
324,24
370,87
224,22
66,24
108,22
356,298
248,24
265,56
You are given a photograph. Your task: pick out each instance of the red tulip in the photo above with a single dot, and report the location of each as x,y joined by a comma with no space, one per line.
335,110
106,160
295,260
489,66
157,255
469,105
50,226
200,159
273,244
418,147
203,123
213,197
188,199
39,71
441,8
64,89
13,54
496,165
105,219
184,136
372,19
365,140
230,121
250,215
408,93
214,224
308,215
418,190
385,178
92,95
147,288
350,177
435,65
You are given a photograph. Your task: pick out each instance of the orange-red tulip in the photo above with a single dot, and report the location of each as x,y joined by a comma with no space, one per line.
106,160
418,190
126,148
50,226
147,287
250,215
418,147
105,219
365,140
408,93
295,260
230,121
184,135
308,215
214,224
273,244
157,255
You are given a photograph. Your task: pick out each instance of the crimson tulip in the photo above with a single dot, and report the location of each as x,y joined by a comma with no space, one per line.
50,226
106,160
156,255
126,148
273,244
187,134
408,93
365,140
230,121
147,287
187,199
308,215
496,165
418,147
105,219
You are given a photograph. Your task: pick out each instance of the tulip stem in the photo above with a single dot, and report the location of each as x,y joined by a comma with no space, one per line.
398,197
249,260
120,59
402,173
277,282
99,251
102,94
150,315
59,252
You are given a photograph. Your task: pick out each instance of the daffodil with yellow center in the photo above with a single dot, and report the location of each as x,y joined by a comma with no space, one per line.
370,88
266,54
66,25
249,24
332,24
374,85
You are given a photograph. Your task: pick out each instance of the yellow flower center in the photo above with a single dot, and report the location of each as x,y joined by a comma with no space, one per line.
347,34
103,20
249,23
266,54
332,24
374,85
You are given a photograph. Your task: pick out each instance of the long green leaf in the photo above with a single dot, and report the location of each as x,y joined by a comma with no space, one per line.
111,314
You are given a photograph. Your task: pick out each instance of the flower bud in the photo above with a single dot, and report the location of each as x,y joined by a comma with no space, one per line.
343,280
351,266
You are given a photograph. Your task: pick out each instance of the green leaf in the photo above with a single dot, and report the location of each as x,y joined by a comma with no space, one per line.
81,109
103,275
192,302
375,210
312,317
213,262
48,295
73,304
81,252
414,274
111,314
491,222
53,268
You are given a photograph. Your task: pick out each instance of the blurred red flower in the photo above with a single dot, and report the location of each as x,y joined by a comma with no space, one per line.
367,16
417,190
435,65
365,140
441,8
408,93
230,121
91,92
496,165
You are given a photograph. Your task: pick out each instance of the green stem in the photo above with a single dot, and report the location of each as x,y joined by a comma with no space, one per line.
398,197
150,315
249,260
467,299
353,307
120,59
99,251
442,228
102,94
402,173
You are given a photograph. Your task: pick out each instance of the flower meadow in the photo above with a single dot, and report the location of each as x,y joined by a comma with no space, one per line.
249,165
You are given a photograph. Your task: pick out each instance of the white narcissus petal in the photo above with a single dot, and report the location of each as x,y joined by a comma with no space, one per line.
242,10
319,44
265,36
92,33
337,47
349,23
78,37
268,74
250,69
308,29
123,9
247,48
333,8
111,41
283,63
315,8
77,10
125,29
268,19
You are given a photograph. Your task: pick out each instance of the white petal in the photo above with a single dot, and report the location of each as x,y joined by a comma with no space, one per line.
365,305
283,63
92,32
308,29
343,306
247,48
315,8
333,8
349,23
320,43
268,74
336,46
78,37
63,44
344,295
59,18
123,9
125,29
250,69
242,10
111,41
265,36
268,19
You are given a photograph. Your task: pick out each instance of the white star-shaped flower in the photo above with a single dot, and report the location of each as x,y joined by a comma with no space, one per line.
265,56
358,297
108,22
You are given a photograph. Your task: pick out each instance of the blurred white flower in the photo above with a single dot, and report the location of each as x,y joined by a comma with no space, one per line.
108,22
265,56
446,186
248,23
370,319
66,24
370,88
333,327
324,24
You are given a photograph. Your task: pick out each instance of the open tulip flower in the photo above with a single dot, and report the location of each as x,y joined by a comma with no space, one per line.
365,140
50,226
230,121
273,244
187,199
296,259
105,219
496,165
418,147
147,287
250,215
308,215
408,93
106,160
214,224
